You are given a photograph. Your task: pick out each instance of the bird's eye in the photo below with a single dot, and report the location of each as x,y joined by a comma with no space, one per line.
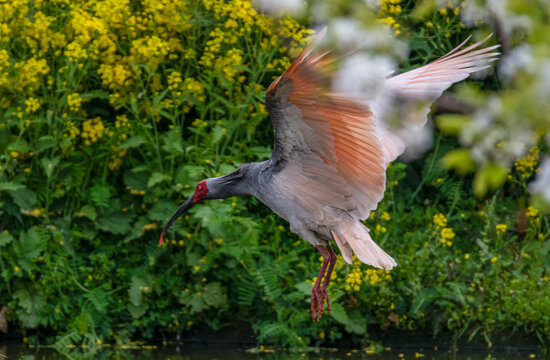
199,187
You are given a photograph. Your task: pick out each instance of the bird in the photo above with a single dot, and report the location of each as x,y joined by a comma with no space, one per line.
327,170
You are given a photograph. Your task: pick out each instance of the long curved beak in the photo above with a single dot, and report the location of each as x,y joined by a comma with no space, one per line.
188,204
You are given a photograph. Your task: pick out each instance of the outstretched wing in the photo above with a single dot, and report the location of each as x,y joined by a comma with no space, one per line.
329,140
420,87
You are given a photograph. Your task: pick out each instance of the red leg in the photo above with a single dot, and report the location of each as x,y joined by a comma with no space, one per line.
332,262
318,295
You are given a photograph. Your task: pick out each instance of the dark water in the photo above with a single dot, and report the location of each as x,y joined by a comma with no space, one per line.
235,352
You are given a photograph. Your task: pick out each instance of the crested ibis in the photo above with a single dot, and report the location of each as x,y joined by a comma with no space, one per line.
331,151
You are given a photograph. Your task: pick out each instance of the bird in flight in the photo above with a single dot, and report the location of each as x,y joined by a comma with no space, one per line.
330,154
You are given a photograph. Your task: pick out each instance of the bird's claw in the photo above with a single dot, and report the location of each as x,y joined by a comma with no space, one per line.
318,295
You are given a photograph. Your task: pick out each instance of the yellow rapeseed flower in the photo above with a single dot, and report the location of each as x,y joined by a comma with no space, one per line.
32,104
447,233
385,216
440,220
532,211
526,165
74,101
501,228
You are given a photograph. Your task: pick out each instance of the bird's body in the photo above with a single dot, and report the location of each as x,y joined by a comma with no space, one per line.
331,151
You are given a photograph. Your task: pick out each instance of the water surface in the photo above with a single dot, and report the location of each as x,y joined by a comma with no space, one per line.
240,352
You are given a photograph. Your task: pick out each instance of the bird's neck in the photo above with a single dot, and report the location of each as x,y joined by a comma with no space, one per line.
243,181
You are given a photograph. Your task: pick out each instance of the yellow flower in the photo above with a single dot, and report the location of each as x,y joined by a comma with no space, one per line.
92,130
494,259
32,104
532,211
526,165
388,20
149,226
501,228
385,216
440,220
446,235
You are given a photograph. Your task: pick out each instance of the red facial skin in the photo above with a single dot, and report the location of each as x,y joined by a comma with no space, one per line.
200,191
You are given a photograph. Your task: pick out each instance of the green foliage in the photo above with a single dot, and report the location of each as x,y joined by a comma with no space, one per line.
86,184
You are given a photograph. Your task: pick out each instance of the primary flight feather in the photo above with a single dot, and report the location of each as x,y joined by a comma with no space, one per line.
331,150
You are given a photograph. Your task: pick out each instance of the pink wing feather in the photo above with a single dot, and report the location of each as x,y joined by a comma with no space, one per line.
424,85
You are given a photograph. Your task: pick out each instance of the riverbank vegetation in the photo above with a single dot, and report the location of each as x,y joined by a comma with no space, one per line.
111,112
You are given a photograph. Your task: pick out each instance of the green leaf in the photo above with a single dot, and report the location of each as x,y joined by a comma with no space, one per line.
452,124
132,142
118,223
45,142
421,301
24,198
460,160
10,185
100,195
422,9
98,298
137,180
5,238
261,152
172,142
30,245
49,165
357,326
305,287
217,133
214,295
32,305
489,178
19,145
80,323
197,303
87,211
162,210
157,178
338,313
139,310
140,284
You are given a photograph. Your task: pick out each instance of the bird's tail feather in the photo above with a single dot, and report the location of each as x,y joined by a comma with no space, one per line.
354,236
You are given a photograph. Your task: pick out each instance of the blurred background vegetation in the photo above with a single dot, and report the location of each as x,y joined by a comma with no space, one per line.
111,111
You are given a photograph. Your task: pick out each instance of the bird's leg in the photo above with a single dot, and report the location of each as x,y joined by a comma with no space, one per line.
317,294
332,261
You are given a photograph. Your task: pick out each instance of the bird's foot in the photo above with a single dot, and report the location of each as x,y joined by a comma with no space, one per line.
318,295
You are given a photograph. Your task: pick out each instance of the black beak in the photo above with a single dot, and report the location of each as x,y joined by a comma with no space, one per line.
188,204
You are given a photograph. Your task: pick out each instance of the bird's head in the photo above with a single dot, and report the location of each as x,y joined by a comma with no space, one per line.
201,191
219,187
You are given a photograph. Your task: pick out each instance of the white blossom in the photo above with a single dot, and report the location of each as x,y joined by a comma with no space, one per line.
348,34
363,75
476,11
280,7
541,185
492,141
418,144
520,58
544,79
